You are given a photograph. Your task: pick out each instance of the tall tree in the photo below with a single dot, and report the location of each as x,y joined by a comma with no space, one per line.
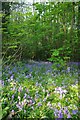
6,13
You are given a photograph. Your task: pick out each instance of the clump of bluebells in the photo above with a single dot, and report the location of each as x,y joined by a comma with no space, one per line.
37,91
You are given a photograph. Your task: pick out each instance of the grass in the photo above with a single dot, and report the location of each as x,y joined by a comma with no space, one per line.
35,90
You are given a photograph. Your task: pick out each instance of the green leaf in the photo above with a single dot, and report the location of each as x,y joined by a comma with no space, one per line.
55,53
12,46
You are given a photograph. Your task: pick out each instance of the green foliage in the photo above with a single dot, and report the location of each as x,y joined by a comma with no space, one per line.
60,61
47,28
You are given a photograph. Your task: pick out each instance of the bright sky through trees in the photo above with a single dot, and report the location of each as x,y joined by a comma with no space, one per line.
26,1
31,1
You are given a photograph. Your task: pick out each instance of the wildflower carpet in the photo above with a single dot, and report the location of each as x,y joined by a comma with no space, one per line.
36,90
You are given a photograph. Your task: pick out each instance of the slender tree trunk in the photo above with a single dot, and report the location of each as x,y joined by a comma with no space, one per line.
72,29
78,29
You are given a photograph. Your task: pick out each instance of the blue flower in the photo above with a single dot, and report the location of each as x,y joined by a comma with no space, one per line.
60,115
2,82
37,83
12,112
74,111
68,115
29,76
68,69
39,104
20,89
25,95
49,104
12,76
13,96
